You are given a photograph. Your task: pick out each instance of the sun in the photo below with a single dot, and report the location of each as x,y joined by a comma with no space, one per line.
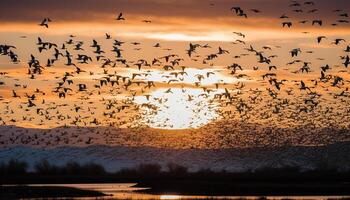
177,108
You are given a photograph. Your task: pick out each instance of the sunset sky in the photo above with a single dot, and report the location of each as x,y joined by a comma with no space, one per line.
192,100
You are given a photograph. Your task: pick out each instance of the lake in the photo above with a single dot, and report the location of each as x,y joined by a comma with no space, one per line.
129,191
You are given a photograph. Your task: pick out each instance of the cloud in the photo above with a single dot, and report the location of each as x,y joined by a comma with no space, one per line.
94,10
192,20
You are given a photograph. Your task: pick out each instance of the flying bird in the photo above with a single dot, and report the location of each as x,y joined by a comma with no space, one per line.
120,17
45,22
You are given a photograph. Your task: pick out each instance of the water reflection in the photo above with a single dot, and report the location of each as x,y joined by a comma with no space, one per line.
170,196
129,191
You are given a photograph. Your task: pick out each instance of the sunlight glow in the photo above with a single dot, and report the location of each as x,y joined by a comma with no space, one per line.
182,107
187,37
178,108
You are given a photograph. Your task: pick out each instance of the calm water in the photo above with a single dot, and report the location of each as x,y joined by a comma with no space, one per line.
127,191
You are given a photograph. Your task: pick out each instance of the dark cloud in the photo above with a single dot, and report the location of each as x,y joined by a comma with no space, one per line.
96,10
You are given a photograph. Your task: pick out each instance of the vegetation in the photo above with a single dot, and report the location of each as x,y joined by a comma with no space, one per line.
13,167
17,171
21,191
71,168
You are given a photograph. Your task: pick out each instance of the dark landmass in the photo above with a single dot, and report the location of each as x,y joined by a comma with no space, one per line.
116,158
15,172
22,191
177,180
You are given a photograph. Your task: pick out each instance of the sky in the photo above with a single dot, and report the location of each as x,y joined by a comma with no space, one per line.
208,90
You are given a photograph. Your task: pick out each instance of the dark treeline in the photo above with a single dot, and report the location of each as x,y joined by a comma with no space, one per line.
15,167
16,171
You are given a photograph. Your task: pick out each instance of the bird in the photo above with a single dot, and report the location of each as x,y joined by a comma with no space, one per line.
347,61
319,38
309,3
303,86
338,40
288,24
120,17
319,22
45,22
347,49
255,10
295,52
284,16
14,94
239,34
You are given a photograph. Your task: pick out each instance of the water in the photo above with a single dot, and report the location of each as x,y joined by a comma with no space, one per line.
128,191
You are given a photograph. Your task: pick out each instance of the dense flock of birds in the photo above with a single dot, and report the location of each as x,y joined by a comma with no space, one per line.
296,95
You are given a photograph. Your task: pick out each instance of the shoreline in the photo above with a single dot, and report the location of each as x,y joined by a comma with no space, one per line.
24,191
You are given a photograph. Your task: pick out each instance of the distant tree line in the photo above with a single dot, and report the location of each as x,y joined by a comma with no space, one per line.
17,170
43,167
16,167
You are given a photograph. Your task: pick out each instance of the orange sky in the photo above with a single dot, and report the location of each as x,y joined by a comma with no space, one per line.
174,25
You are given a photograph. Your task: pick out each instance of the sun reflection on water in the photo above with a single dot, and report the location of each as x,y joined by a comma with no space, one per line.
170,197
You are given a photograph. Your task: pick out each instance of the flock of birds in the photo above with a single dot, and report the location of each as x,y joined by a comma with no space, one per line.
308,96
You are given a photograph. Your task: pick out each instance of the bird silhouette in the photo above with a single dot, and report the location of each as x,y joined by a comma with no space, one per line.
120,17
